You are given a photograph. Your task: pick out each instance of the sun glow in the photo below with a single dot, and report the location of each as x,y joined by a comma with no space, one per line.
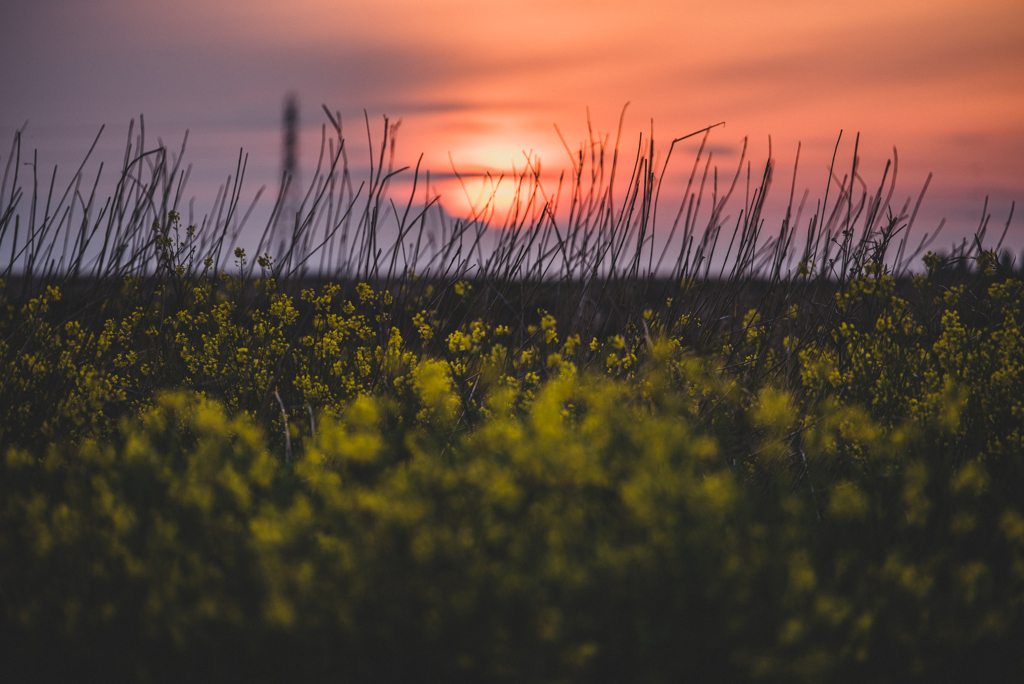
497,183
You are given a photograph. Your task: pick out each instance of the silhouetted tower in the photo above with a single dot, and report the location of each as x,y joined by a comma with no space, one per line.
290,164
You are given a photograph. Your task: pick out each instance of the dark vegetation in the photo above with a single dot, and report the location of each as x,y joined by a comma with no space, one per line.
535,447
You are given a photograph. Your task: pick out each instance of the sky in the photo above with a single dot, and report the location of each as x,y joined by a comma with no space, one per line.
481,84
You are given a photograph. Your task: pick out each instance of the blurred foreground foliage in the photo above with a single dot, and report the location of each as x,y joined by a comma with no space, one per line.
210,479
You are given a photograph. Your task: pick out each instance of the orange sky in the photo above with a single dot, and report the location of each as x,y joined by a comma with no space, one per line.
485,81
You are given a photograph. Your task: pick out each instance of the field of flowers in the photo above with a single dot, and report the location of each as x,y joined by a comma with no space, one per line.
219,468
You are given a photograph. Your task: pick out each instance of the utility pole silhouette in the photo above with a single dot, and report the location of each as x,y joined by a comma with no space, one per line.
289,168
